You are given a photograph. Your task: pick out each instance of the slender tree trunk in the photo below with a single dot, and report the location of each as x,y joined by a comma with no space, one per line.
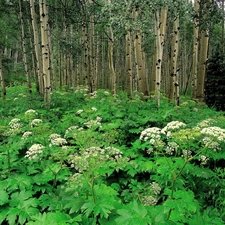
129,62
110,58
195,50
24,45
203,54
174,79
45,50
142,84
2,76
160,36
37,49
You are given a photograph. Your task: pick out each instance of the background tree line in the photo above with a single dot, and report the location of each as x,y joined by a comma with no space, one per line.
146,47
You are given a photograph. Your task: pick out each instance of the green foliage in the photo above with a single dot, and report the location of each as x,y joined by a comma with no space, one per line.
99,159
214,89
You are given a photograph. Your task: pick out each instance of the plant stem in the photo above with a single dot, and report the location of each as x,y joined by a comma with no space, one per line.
92,189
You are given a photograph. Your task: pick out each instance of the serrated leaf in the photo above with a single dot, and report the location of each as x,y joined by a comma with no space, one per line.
3,197
22,217
3,214
12,215
74,205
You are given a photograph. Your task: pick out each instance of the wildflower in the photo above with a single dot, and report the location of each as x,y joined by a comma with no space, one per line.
94,109
151,133
171,148
106,93
58,141
216,133
69,130
54,136
93,94
155,188
26,134
195,109
203,159
149,200
187,154
34,151
209,143
14,124
79,111
93,123
172,126
205,123
30,111
35,122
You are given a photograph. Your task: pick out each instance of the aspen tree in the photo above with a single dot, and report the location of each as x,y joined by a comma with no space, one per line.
129,63
161,18
45,50
174,79
93,75
2,76
24,46
110,57
203,53
195,49
142,84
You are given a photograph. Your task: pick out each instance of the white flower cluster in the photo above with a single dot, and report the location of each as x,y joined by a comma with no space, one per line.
205,123
172,126
31,111
216,133
149,200
26,134
34,151
57,140
79,111
96,122
209,143
171,148
187,154
92,155
155,188
203,159
81,89
14,124
152,134
106,93
93,94
35,122
94,109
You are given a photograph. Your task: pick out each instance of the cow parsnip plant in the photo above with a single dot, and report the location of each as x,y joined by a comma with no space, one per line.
102,159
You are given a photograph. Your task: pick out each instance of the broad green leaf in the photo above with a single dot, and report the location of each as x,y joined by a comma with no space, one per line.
12,215
3,197
3,214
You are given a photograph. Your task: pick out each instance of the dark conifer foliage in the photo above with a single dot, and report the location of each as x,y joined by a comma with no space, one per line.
215,82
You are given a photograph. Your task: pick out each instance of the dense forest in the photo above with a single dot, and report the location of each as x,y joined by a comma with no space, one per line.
112,112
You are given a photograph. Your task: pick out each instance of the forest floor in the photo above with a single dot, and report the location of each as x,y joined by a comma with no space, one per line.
102,159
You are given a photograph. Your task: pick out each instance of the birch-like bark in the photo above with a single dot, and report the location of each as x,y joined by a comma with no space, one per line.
174,79
45,50
129,62
37,49
142,84
25,61
203,54
195,50
160,36
110,58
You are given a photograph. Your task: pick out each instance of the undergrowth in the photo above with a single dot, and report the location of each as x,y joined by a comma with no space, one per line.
102,159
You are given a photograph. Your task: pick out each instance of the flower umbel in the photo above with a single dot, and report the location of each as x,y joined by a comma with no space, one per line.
34,151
